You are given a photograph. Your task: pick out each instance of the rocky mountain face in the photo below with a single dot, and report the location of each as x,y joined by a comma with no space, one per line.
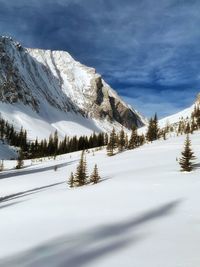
39,78
197,101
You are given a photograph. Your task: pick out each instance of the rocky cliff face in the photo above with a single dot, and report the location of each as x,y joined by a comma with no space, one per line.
35,77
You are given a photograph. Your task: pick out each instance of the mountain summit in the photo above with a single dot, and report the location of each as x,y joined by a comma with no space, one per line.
44,90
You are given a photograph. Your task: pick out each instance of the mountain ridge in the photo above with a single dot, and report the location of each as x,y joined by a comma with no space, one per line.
46,83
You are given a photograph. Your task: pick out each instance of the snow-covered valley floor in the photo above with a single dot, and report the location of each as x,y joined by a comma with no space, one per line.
144,213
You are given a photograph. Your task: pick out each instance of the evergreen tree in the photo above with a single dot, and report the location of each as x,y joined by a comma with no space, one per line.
149,134
1,166
187,156
126,141
106,139
112,143
193,126
81,171
153,130
121,140
71,180
181,126
156,129
20,161
196,115
94,178
187,128
55,143
133,142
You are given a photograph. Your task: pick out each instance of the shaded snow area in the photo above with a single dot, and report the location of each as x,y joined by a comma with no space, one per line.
7,152
144,212
42,124
49,119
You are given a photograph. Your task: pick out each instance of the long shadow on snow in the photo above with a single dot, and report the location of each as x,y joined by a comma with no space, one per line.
196,165
10,204
31,171
27,192
85,248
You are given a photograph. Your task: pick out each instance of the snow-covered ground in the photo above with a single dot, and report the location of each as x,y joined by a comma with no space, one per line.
42,124
144,213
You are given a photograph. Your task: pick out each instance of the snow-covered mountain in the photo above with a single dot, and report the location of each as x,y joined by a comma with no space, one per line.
44,90
173,120
184,114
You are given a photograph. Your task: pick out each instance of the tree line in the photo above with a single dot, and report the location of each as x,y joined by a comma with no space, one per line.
53,146
48,147
115,142
118,142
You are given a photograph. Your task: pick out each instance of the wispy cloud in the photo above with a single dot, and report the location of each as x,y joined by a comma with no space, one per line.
147,50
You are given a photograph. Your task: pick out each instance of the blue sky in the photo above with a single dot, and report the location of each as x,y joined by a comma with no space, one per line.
148,50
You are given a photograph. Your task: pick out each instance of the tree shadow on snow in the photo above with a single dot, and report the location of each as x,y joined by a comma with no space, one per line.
196,165
26,193
87,247
10,204
35,170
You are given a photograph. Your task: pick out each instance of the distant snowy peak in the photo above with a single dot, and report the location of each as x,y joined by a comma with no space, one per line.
42,78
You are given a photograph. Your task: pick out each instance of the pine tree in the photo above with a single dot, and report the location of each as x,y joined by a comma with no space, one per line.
94,178
156,129
187,129
121,141
141,140
187,156
71,180
1,166
133,142
106,139
193,126
20,161
81,172
126,141
149,134
112,143
153,130
55,143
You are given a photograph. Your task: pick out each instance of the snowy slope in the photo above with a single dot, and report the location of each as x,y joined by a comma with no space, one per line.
45,90
186,113
173,119
42,124
145,213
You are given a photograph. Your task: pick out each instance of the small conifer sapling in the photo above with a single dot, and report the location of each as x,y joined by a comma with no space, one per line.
71,180
186,161
94,178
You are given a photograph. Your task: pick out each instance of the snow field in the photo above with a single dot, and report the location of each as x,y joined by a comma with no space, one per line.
144,212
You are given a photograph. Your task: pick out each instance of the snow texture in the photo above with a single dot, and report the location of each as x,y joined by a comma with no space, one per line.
144,212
